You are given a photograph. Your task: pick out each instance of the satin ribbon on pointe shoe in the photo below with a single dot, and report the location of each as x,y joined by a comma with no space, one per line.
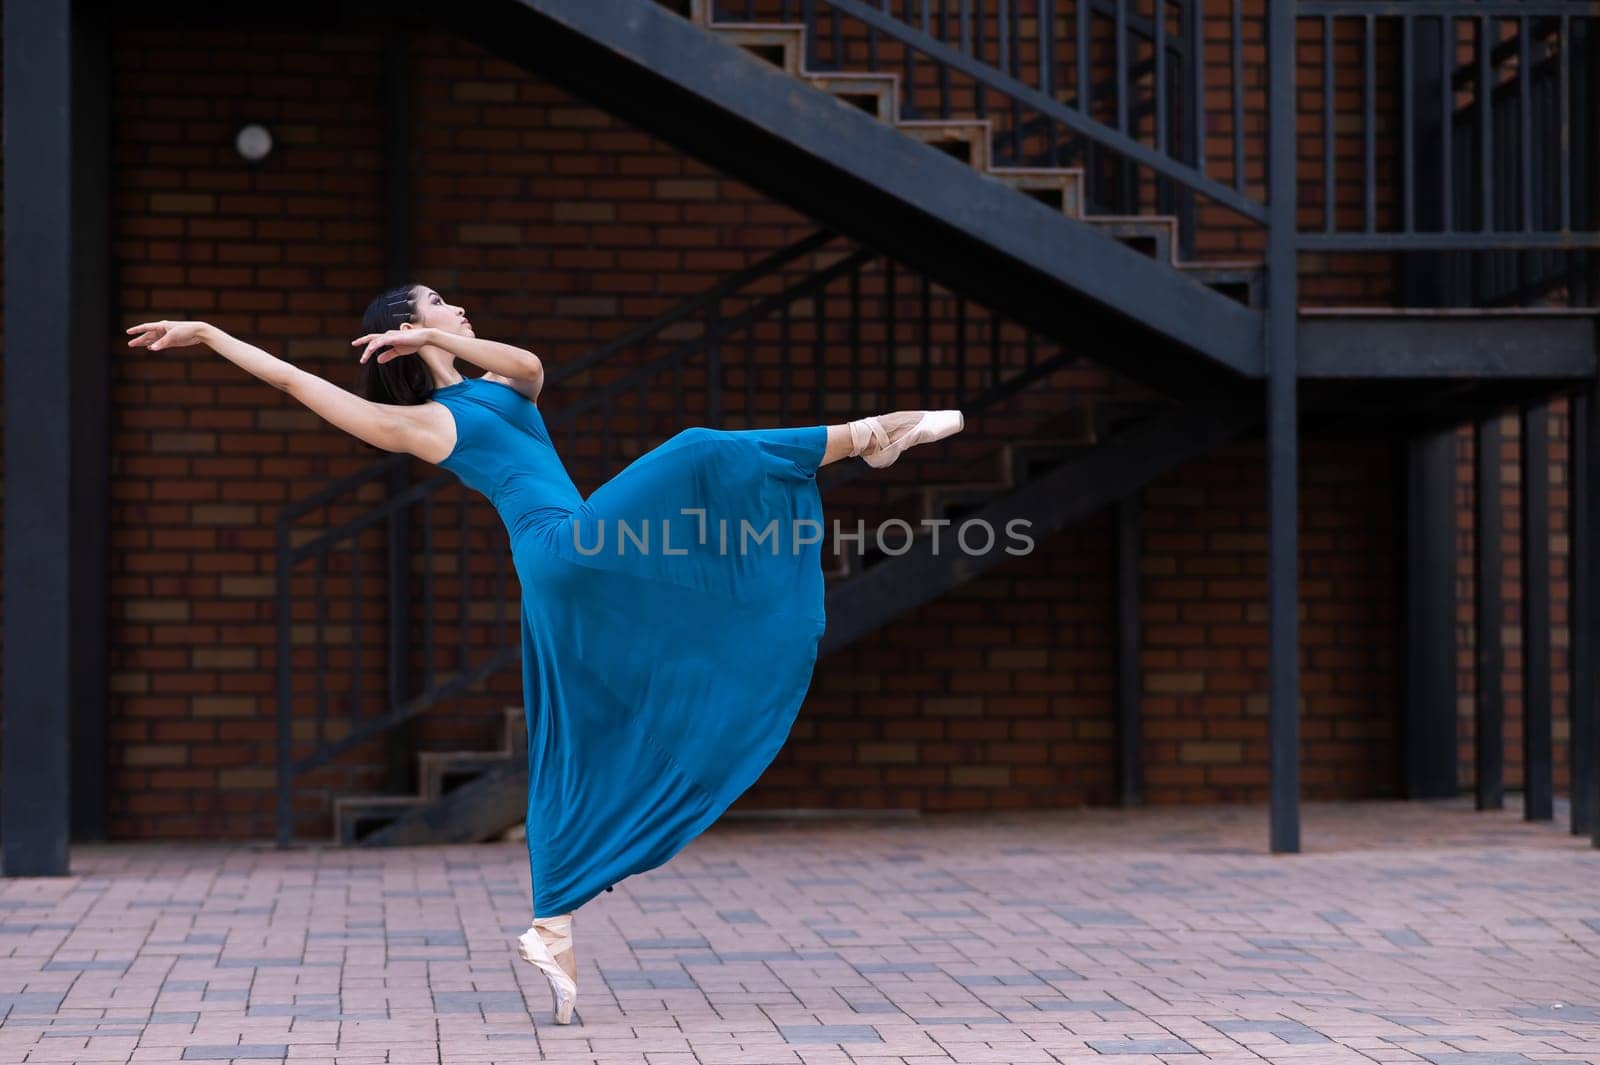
533,948
870,440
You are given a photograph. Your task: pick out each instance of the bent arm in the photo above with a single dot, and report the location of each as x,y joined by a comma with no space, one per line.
517,367
383,425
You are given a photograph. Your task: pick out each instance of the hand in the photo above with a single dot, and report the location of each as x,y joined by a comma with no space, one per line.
394,343
155,335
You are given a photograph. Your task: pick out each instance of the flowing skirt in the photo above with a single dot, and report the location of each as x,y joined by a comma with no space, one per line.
669,630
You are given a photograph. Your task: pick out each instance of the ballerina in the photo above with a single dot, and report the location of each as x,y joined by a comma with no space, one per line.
657,684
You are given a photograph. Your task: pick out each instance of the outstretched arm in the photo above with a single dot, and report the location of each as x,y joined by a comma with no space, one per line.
383,425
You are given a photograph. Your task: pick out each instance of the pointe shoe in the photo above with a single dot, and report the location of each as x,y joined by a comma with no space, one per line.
533,948
933,425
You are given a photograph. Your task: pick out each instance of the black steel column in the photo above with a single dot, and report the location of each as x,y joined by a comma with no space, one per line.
1283,585
1580,584
1130,772
1536,774
1489,705
1591,594
1429,734
58,339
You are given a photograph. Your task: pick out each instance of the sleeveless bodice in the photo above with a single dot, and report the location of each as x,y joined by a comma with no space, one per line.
503,450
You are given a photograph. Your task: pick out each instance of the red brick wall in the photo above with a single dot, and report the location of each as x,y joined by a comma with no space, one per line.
1002,694
559,227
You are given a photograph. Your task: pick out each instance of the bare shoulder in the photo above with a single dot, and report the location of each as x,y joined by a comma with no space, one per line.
432,429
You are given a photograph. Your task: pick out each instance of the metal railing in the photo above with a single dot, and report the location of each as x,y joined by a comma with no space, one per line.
1127,90
765,346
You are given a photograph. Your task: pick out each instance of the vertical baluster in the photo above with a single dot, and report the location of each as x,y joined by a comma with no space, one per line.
751,372
1085,90
837,37
995,368
1047,73
944,68
1001,37
427,592
1329,158
1525,133
959,391
1408,144
714,365
463,566
1121,31
1485,124
642,427
888,329
1195,36
786,389
1015,70
977,51
818,355
355,625
322,645
1161,76
677,390
855,340
923,367
1238,98
808,19
1369,121
908,95
1564,120
605,427
1447,121
500,594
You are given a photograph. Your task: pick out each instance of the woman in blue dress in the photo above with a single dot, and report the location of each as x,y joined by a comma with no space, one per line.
669,621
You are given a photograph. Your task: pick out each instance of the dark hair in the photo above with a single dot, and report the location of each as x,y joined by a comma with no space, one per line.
404,381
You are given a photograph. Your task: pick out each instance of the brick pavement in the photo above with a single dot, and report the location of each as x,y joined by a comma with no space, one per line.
1418,932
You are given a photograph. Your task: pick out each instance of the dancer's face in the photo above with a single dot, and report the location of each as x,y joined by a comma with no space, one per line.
433,311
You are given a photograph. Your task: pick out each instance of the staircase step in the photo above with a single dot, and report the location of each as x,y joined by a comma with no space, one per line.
1240,281
953,501
355,816
1057,187
515,730
1152,235
439,772
1029,458
876,94
781,44
963,139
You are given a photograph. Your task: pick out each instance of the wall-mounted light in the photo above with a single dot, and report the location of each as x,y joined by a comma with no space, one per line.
253,142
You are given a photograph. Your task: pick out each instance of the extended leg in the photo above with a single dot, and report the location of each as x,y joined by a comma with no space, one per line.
888,434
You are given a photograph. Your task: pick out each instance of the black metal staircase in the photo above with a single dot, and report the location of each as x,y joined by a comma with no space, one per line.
1052,212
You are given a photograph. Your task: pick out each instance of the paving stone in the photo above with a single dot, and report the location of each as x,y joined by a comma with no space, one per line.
236,1052
1406,933
830,1033
1141,1046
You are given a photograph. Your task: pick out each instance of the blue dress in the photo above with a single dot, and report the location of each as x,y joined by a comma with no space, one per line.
669,628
